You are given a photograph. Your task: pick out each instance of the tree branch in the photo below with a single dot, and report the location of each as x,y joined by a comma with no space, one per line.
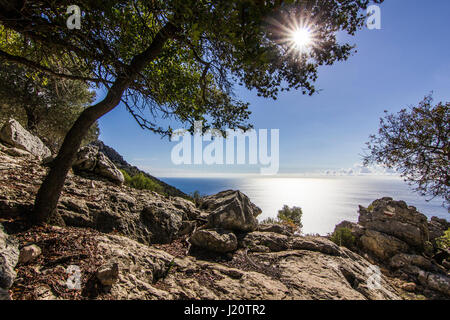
37,66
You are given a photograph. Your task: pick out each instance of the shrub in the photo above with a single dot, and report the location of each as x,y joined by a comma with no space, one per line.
343,237
141,182
291,217
196,198
443,242
270,221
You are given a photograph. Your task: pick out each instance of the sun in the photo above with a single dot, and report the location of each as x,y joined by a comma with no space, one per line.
301,38
296,35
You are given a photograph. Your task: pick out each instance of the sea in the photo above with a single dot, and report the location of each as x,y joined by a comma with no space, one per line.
325,200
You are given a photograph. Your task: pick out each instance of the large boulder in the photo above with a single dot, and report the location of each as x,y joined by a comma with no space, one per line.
397,219
9,256
381,245
276,228
434,281
216,240
90,160
265,242
15,135
108,274
403,260
231,210
162,222
401,238
190,212
318,244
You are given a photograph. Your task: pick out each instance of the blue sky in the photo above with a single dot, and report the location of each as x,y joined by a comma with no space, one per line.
394,67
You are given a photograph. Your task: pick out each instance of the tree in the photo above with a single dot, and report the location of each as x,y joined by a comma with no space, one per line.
46,106
291,215
415,142
344,237
174,59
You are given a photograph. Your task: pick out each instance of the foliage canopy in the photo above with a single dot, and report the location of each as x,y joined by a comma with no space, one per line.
211,46
46,106
291,217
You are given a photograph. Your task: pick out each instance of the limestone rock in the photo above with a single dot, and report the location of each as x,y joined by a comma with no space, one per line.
9,256
302,267
231,210
397,219
131,271
90,160
275,242
318,244
107,169
162,222
314,275
409,286
402,239
437,282
403,260
29,253
15,135
44,293
302,275
216,240
16,152
190,212
187,227
382,245
108,274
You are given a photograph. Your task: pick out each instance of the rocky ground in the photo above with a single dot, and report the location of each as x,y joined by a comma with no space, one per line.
122,243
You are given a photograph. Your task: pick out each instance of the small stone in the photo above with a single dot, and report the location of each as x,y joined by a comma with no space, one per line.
108,274
409,286
29,253
44,293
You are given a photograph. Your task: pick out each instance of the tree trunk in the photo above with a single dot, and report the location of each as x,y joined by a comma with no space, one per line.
50,190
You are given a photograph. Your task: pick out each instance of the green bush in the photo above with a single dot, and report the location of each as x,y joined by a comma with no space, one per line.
196,198
141,182
270,221
343,237
291,215
443,242
288,216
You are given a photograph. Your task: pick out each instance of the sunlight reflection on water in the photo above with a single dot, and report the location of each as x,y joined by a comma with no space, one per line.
325,201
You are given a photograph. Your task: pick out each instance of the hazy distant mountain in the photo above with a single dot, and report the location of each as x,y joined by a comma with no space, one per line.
118,160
